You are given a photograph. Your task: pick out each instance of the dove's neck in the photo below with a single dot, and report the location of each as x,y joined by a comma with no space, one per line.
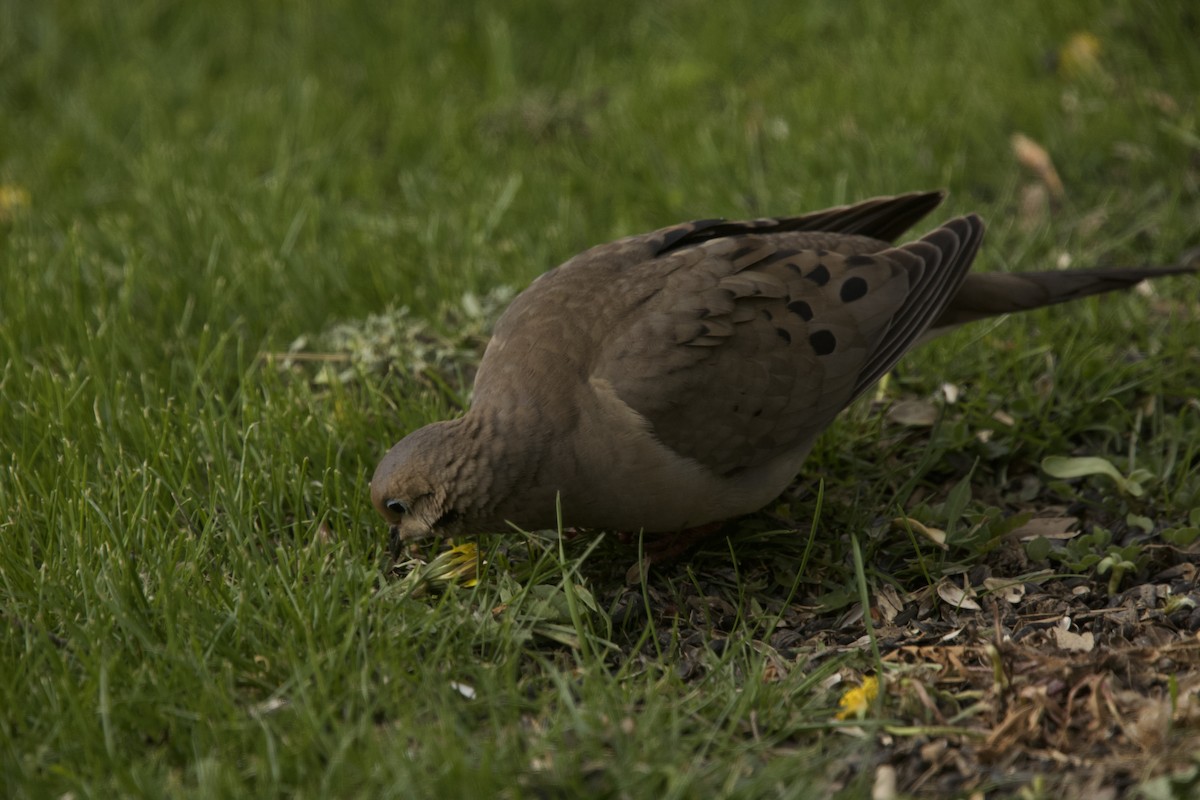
505,453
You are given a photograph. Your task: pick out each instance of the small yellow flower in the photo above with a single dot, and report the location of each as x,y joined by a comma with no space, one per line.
856,701
13,199
459,564
1080,55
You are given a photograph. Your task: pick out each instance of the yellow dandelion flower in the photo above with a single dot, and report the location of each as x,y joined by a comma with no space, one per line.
13,199
459,564
856,701
1080,55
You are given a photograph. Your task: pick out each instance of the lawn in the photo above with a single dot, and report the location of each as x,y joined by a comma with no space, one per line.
244,247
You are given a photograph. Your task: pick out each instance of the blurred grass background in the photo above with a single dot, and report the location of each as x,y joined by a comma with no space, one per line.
191,594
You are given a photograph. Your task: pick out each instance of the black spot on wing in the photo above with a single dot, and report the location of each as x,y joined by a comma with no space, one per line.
801,309
853,289
823,342
787,337
819,276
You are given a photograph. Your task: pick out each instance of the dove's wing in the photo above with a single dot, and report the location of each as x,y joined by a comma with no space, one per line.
741,349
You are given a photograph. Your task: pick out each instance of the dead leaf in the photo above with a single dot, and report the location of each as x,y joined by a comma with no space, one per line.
1075,642
913,413
1048,527
884,787
1165,103
1033,207
1093,222
935,535
889,603
956,596
1009,590
1034,158
954,634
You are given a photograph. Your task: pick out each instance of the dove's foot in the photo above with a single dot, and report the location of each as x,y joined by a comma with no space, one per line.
661,548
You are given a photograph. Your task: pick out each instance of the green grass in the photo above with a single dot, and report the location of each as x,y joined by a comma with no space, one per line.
195,595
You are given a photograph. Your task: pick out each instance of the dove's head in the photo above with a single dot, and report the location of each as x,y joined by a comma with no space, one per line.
414,486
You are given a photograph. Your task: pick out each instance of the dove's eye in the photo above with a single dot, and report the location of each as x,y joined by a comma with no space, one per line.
397,507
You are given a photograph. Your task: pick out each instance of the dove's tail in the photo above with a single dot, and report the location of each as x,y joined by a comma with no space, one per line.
984,294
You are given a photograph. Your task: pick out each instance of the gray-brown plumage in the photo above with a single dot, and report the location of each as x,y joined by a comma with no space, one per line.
680,377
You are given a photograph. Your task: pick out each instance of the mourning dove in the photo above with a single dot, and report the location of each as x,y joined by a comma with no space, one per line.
677,378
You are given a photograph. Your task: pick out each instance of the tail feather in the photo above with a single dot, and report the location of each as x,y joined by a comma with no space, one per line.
991,294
